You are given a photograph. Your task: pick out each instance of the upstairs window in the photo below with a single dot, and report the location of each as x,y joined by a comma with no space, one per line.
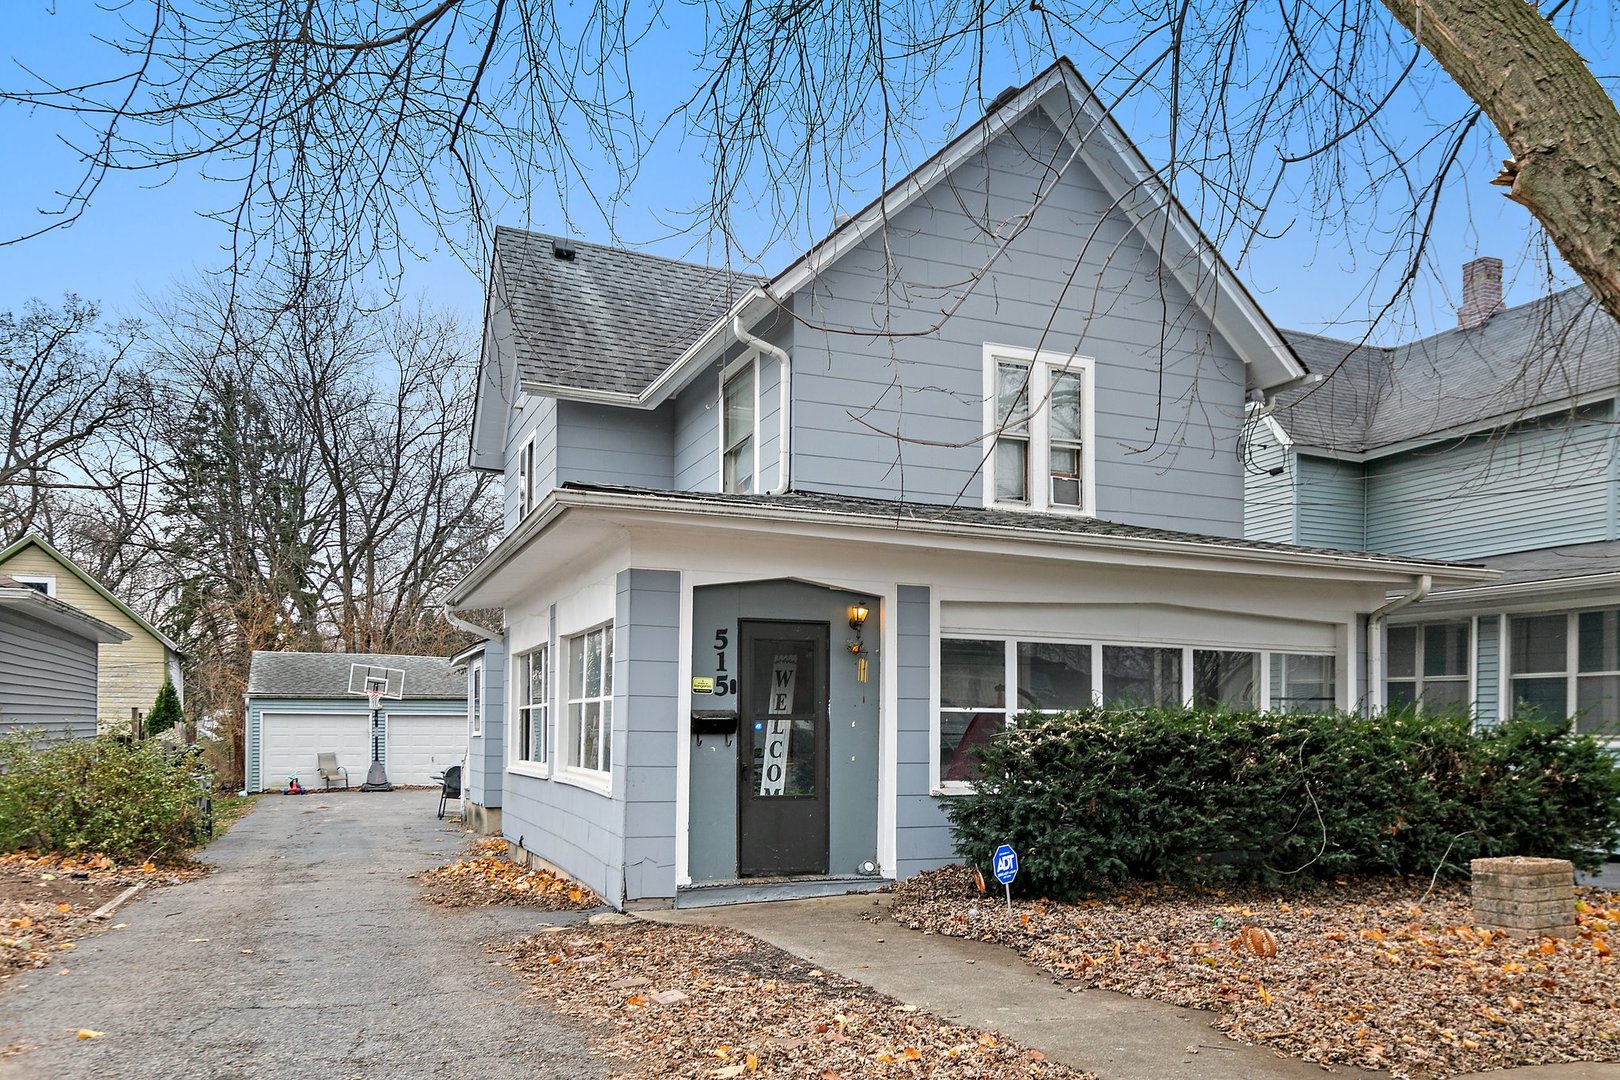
526,478
738,413
1038,413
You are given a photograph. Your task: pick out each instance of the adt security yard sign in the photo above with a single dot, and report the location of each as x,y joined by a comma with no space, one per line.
1006,870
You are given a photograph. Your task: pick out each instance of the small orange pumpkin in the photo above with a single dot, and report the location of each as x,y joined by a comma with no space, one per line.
1260,941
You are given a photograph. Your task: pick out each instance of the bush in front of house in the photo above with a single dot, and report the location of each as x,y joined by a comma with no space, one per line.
127,800
1189,796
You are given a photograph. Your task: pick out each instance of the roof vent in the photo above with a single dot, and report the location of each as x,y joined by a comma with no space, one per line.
1482,292
563,249
1002,98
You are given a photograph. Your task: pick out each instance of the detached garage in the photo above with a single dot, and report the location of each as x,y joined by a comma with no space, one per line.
302,705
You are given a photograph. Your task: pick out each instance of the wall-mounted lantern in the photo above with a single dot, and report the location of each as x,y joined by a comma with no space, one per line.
858,612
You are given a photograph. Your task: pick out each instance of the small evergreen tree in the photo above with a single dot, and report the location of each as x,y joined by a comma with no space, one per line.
165,712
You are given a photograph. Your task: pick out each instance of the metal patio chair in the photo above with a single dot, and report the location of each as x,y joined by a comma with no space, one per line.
449,787
330,770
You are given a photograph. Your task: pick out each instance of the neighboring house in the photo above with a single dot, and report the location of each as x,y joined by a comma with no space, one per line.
764,575
1497,442
485,667
301,705
132,670
48,662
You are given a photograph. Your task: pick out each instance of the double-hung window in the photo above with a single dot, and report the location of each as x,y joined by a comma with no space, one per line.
526,478
1038,413
533,694
590,700
1427,664
738,438
1568,664
475,697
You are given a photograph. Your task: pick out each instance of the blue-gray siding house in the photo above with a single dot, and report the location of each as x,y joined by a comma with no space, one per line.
1494,443
48,663
780,551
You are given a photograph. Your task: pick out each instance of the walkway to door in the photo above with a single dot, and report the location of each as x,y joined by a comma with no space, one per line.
307,953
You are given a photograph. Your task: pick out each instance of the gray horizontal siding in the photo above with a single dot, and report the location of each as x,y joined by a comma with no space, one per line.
1488,670
697,433
889,393
923,837
538,416
1537,486
1330,504
579,831
645,688
486,758
602,444
1269,470
47,678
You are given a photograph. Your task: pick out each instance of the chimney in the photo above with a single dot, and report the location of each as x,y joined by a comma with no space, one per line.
1482,292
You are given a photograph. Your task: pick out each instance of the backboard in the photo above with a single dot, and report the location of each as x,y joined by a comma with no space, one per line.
363,677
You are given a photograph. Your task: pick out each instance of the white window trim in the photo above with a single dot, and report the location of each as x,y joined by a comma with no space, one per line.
598,780
1420,680
526,484
1041,365
47,580
940,786
1572,657
750,358
475,671
517,723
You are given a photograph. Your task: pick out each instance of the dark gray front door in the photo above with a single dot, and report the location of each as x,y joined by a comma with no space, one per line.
782,793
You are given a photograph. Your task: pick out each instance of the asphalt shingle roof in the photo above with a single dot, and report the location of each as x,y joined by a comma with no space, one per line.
990,519
607,319
1522,360
326,675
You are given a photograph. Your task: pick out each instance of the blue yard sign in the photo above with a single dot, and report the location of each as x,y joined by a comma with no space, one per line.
1006,870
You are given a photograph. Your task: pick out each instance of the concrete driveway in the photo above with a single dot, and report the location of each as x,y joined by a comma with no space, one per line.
307,953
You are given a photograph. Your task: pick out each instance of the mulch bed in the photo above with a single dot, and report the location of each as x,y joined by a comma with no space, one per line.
1363,974
46,902
691,1002
485,876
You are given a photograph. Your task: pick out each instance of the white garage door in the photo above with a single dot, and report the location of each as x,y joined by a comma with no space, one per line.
421,745
289,744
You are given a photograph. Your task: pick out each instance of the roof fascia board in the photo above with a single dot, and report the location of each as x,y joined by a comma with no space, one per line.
95,586
1138,191
562,501
489,383
1482,426
63,615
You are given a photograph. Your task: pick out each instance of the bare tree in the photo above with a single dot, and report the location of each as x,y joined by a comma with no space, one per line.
65,380
341,120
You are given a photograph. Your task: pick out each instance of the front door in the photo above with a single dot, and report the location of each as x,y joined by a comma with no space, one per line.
782,793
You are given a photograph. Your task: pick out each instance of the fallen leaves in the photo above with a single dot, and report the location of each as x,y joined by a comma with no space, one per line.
1348,974
485,876
714,1004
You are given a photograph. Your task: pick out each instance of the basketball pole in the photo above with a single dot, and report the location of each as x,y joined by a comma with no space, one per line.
376,776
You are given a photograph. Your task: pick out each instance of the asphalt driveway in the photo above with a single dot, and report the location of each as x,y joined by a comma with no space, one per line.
307,953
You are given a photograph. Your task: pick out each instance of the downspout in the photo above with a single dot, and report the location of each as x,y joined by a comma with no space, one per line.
784,387
1375,636
472,628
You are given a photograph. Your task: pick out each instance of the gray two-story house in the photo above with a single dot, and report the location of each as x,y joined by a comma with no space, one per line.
1494,442
780,551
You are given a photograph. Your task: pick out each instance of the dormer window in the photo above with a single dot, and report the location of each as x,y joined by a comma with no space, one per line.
738,441
1038,415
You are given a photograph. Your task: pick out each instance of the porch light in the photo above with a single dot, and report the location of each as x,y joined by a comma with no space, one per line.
857,615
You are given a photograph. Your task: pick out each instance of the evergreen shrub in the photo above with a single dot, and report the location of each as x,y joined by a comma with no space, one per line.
1187,796
127,800
166,712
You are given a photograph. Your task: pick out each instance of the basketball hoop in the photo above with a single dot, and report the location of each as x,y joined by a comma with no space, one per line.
375,696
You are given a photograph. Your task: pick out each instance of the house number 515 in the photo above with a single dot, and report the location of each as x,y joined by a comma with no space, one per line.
722,684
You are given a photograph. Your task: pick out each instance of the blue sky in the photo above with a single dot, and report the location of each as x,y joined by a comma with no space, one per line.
144,233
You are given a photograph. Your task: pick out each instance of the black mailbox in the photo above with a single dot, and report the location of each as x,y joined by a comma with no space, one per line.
714,722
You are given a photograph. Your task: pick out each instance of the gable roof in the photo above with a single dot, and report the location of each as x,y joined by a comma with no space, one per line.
47,609
326,675
606,319
661,305
1553,353
95,586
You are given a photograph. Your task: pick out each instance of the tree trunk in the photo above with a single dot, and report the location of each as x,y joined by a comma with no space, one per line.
1560,125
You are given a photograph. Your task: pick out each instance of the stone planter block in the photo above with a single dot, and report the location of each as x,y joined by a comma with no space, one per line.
1525,897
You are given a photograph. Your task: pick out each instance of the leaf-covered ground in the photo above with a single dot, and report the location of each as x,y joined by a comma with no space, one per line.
46,902
1362,974
699,1002
485,876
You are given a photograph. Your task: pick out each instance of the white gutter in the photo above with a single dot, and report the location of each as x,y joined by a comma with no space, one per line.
784,386
1375,636
472,628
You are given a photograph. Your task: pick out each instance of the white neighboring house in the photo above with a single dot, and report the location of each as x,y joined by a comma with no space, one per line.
299,706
